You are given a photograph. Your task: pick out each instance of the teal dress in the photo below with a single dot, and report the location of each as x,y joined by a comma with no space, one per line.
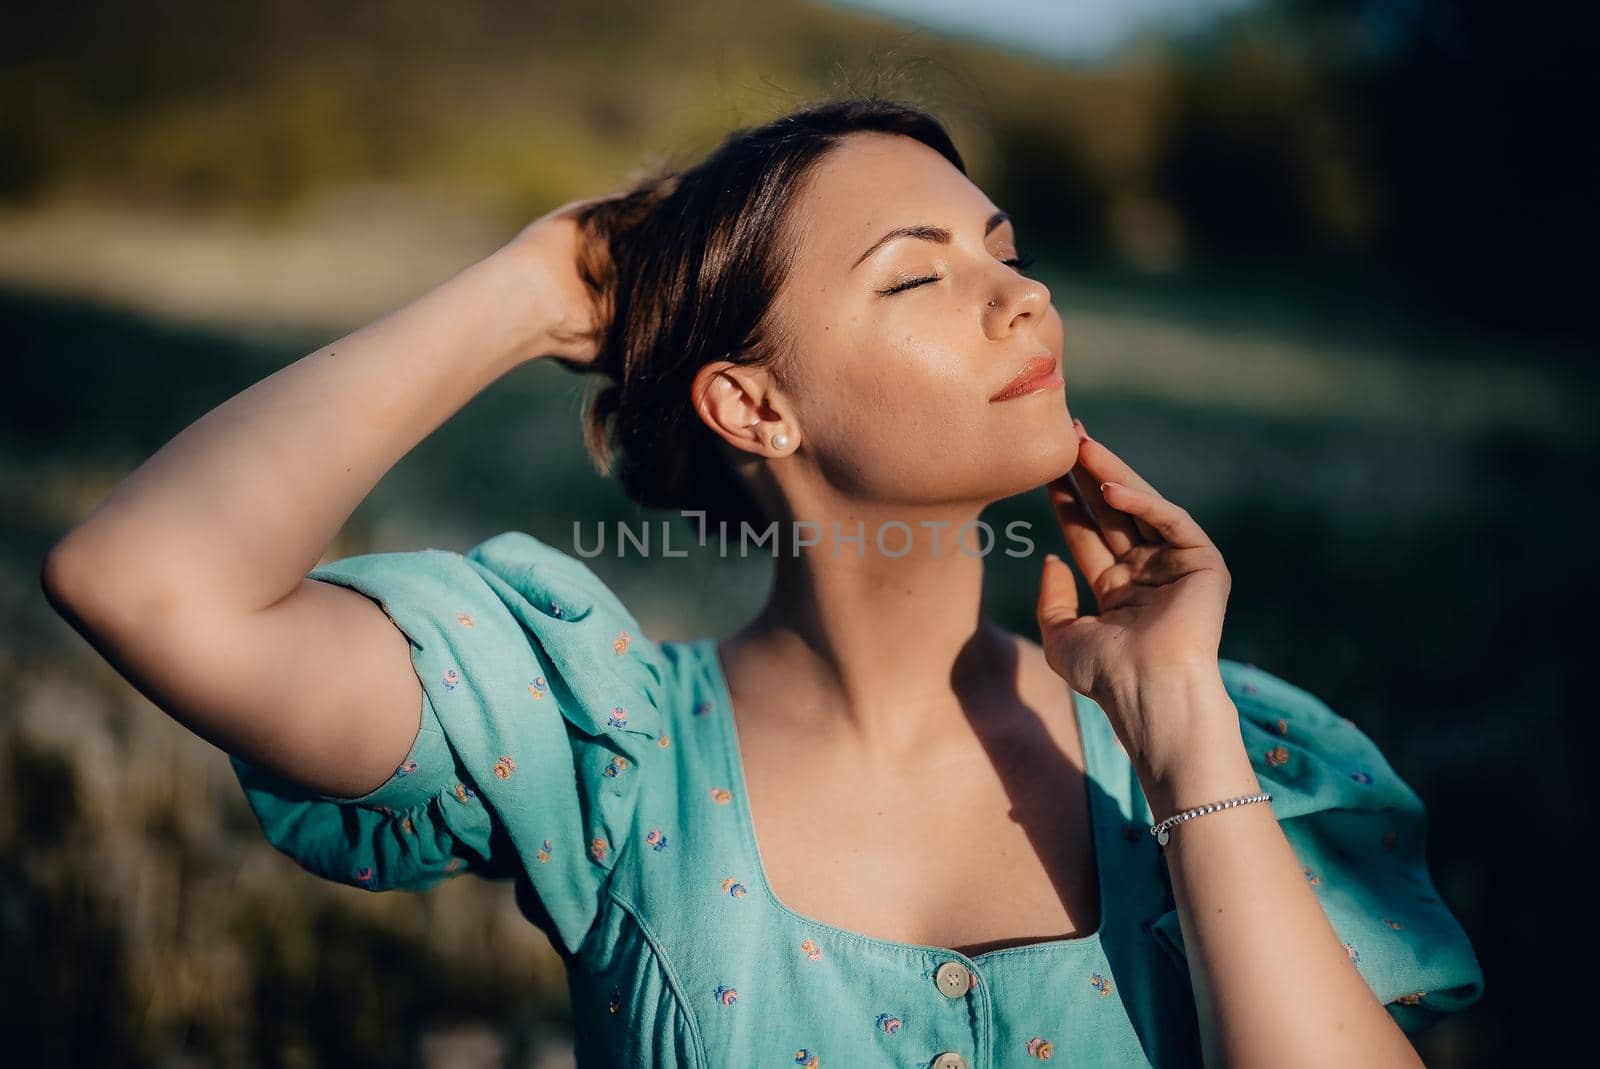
563,749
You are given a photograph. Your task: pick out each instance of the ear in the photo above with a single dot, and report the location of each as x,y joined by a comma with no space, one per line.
743,406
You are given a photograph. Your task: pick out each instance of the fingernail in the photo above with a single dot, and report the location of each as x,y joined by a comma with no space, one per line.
1104,485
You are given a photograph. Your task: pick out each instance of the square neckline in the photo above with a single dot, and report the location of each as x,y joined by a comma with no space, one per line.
733,758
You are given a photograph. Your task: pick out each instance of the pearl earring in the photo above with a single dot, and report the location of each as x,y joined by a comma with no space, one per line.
780,441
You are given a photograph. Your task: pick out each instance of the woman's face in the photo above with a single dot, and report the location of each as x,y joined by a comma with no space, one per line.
891,386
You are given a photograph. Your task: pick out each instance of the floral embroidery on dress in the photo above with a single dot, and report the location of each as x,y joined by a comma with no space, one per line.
1396,925
465,619
621,643
656,839
543,853
889,1023
557,611
615,765
1283,726
538,687
1277,756
451,679
805,1057
364,874
1312,878
464,793
1411,999
1249,688
504,767
664,741
733,888
616,1001
618,718
406,826
1040,1048
811,950
721,795
455,863
1360,776
703,707
405,770
1101,984
598,848
1355,955
726,995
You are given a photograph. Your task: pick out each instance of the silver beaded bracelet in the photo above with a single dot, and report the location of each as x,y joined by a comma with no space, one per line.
1160,830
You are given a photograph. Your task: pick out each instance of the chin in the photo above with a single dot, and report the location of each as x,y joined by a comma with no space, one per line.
1030,464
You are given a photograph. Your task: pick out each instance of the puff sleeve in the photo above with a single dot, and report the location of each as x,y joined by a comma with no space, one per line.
540,702
1358,831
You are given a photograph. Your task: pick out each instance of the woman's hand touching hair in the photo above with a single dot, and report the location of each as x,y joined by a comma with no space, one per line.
192,575
569,264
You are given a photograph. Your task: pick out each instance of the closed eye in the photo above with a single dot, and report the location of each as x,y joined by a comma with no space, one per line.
910,283
1019,263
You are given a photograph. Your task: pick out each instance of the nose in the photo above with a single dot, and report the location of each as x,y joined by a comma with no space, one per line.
1018,298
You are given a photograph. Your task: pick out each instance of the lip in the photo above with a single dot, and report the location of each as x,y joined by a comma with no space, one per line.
1039,373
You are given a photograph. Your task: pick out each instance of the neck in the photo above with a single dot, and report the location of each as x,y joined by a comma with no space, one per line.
881,651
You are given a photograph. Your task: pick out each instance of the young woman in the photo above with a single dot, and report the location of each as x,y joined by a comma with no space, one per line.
825,322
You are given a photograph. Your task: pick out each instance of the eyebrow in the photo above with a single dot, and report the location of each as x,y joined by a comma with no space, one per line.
927,233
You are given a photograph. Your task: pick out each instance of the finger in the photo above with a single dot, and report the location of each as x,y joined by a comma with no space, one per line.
1116,528
1079,529
1105,464
1172,522
1126,475
1058,595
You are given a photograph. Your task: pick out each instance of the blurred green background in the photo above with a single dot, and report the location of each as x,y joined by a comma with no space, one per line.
1323,268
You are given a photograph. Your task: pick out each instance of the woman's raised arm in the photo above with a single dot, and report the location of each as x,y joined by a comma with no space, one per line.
190,576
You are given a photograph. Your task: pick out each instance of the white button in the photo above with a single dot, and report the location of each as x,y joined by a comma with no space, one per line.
953,979
949,1060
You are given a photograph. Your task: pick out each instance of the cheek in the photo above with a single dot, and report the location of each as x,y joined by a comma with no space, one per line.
900,419
898,385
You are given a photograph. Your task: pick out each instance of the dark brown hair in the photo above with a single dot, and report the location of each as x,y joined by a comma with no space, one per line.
684,267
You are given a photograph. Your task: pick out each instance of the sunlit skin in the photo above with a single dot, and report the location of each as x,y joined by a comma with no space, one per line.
888,418
190,577
889,408
888,415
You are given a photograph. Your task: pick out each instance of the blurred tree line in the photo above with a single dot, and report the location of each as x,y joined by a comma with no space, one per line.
1433,149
